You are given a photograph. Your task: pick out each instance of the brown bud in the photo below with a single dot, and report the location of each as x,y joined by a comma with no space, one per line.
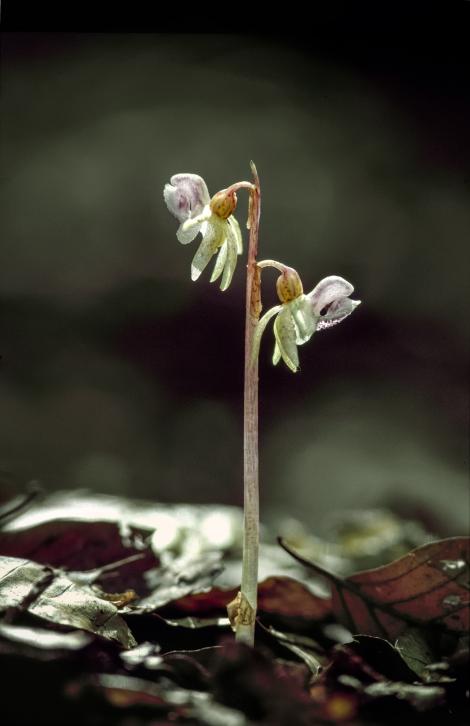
224,203
289,285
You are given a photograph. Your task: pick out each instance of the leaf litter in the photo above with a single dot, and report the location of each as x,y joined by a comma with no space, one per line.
427,586
118,608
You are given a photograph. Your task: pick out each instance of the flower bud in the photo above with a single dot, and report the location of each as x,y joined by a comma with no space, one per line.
289,285
224,203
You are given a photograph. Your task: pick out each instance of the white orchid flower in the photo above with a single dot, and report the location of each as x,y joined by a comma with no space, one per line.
188,199
300,316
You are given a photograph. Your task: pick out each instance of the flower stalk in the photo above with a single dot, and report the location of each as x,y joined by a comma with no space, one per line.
247,599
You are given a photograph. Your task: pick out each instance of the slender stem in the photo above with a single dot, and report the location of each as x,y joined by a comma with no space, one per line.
273,263
240,185
245,630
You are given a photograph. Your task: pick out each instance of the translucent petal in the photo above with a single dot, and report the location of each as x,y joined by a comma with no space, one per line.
208,247
329,289
235,229
337,312
231,261
284,330
220,262
304,319
276,354
261,327
186,195
188,230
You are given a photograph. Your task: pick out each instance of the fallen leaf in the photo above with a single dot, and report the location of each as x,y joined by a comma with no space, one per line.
96,547
181,577
427,586
303,647
368,677
372,537
414,646
381,657
287,597
421,697
42,640
49,594
196,623
179,528
366,659
179,705
279,596
211,603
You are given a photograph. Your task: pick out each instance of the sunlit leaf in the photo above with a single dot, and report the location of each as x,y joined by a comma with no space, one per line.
41,639
180,528
48,594
421,697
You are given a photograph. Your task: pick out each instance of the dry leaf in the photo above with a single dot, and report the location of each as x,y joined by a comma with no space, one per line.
281,596
290,598
83,546
428,586
28,586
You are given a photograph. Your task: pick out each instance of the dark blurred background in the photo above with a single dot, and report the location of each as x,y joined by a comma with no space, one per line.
120,375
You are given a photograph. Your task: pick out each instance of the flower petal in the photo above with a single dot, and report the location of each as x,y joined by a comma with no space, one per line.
186,195
187,231
261,327
276,354
337,312
220,262
231,261
284,330
211,242
329,289
305,320
235,230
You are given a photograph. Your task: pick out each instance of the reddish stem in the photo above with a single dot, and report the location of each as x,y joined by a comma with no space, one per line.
249,588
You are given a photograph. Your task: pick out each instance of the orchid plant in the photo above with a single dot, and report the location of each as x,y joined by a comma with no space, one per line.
297,318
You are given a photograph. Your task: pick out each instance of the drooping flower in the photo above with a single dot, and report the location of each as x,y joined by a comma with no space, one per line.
188,199
299,316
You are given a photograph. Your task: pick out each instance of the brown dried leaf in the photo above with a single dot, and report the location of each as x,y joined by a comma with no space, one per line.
428,586
82,546
288,597
282,596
